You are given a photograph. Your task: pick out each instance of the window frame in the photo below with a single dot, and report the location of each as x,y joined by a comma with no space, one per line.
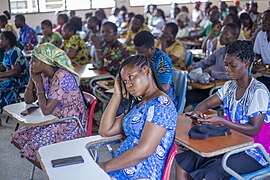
169,2
52,11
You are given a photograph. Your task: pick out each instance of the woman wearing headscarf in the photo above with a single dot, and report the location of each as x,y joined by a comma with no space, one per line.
183,21
53,83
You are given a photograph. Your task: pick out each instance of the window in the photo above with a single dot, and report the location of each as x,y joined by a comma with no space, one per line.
33,6
159,2
23,6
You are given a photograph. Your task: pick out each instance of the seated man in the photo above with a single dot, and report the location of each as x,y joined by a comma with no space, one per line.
144,44
28,36
214,64
261,47
173,48
137,25
246,104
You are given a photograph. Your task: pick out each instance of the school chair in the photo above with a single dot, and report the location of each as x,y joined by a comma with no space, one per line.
260,174
188,58
95,146
90,101
179,79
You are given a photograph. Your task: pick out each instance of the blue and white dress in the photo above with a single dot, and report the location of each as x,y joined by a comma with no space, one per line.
159,111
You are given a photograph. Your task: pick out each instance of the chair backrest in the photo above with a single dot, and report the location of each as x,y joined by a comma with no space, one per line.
179,79
170,158
188,58
92,101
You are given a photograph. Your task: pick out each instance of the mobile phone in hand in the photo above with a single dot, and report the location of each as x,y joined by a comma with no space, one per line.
193,117
29,110
67,161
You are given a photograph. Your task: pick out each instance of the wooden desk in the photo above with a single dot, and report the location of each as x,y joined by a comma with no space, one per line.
198,85
34,119
192,43
84,171
106,84
211,146
87,71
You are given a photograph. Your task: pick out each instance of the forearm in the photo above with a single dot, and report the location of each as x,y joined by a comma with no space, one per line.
247,129
108,124
42,100
30,93
8,74
131,157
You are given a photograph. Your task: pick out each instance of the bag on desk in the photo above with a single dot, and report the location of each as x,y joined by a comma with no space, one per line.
206,131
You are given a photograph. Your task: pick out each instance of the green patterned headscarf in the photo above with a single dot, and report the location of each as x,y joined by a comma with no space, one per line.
52,55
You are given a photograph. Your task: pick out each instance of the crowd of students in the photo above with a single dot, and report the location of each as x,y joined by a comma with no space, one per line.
142,65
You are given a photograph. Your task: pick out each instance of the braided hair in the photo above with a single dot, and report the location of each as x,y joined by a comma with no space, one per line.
242,49
137,61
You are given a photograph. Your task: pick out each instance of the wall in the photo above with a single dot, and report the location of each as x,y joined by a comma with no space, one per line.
34,19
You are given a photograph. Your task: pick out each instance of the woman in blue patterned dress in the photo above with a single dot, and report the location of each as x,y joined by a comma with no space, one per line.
14,67
149,124
53,84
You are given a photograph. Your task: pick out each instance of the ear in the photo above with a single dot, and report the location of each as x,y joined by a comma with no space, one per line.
146,70
247,64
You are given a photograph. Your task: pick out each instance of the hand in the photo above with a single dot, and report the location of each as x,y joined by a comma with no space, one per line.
117,90
95,41
213,119
190,68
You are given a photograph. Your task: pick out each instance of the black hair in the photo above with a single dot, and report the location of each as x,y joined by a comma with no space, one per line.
242,49
64,17
235,19
174,28
162,14
7,14
111,25
139,61
87,15
10,36
246,16
77,21
70,27
20,17
3,19
139,17
144,39
233,9
235,29
267,11
47,23
94,18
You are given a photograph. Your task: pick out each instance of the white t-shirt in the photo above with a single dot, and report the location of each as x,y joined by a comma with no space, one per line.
262,47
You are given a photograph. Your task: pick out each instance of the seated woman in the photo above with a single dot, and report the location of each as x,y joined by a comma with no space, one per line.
53,84
14,68
74,46
112,54
149,124
246,110
48,34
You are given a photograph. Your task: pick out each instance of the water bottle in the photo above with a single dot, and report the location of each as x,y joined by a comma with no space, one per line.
209,47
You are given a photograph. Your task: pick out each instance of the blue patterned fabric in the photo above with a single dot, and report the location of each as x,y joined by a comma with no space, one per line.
12,57
160,111
28,35
254,102
163,65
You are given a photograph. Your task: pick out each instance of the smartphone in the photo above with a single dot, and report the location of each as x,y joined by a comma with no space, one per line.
193,116
67,161
29,110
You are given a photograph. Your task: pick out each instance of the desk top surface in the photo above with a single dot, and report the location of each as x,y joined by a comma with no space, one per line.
83,171
211,146
198,85
87,72
33,119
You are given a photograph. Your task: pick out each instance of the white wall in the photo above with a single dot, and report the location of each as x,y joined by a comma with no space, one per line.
34,19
